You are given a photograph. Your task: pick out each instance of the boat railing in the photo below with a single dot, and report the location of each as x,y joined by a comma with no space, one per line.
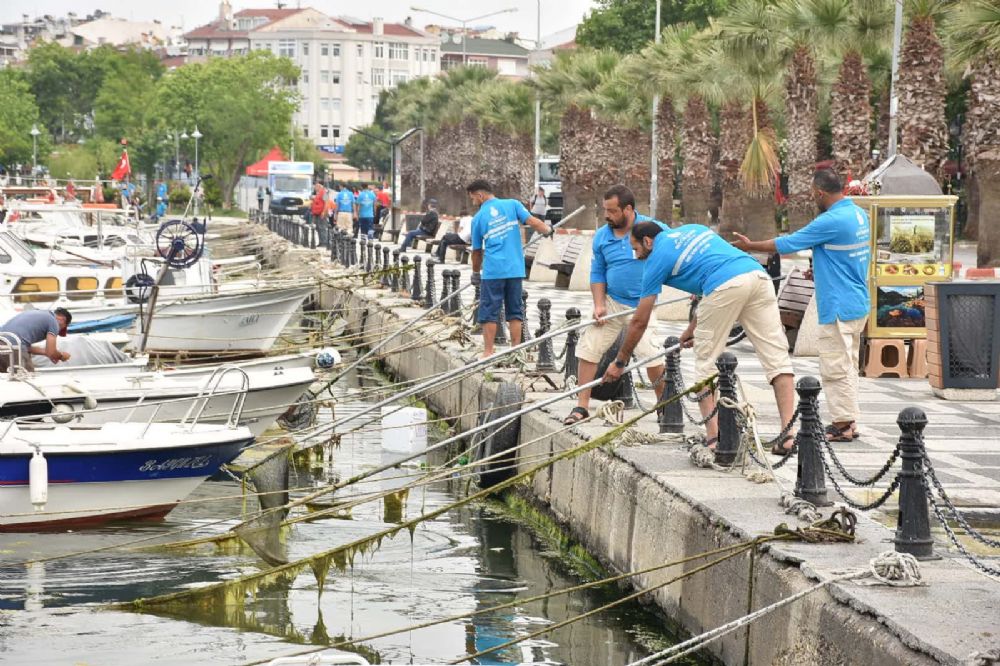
12,348
209,390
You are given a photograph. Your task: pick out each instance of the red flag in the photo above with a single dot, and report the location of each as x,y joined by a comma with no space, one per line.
123,169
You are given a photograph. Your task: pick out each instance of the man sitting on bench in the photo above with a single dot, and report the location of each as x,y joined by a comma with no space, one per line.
462,235
428,227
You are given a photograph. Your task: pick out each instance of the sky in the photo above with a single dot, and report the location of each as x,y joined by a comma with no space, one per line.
556,14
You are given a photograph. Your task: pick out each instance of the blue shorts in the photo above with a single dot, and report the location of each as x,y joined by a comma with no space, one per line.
494,292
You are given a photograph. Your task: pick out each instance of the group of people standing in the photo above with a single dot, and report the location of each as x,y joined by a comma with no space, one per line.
352,210
634,256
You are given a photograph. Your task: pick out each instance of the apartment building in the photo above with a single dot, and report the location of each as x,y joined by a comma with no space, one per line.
504,56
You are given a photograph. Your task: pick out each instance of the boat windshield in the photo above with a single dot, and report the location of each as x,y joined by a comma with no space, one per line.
18,247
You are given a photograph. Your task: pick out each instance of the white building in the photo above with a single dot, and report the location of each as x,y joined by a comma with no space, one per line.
345,62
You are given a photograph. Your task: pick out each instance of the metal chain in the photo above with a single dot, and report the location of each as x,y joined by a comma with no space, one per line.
788,455
847,500
959,518
985,568
862,482
784,431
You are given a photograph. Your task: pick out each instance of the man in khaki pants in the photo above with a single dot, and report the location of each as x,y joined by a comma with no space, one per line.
734,286
615,278
840,242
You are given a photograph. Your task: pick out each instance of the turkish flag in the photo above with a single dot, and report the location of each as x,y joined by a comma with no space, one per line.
123,169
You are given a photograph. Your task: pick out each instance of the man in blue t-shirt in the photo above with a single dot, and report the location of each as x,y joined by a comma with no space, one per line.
24,331
615,279
840,240
733,286
498,252
344,201
366,211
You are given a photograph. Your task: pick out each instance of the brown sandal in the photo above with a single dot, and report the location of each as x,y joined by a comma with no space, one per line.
576,415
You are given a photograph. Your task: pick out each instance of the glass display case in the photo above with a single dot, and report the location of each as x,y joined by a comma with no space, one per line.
912,244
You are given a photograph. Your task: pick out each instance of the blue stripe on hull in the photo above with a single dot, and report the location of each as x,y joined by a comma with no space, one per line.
138,465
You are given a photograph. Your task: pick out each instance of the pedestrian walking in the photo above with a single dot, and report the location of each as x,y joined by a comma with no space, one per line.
840,240
461,234
260,198
345,209
366,211
498,259
539,204
733,286
615,281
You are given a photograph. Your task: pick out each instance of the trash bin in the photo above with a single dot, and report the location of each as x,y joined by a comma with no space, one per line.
963,334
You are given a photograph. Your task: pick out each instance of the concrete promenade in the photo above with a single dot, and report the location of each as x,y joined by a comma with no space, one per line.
635,507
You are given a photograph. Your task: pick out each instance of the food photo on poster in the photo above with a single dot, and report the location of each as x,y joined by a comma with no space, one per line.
900,307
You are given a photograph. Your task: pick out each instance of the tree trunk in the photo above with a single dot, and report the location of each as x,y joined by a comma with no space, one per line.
666,130
698,149
734,137
577,167
972,208
988,175
850,117
923,128
801,104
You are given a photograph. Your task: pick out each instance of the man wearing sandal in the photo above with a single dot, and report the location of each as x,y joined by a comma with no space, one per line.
840,242
734,287
615,278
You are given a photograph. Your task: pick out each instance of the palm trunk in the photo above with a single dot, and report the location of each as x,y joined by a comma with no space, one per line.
923,128
983,159
666,130
801,104
850,117
698,149
578,164
734,137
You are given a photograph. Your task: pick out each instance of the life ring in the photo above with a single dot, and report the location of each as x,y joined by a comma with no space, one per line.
138,287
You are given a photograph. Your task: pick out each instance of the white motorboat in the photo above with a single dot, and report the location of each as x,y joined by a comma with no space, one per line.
58,476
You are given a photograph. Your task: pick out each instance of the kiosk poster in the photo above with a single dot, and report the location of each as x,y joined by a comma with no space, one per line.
911,239
899,306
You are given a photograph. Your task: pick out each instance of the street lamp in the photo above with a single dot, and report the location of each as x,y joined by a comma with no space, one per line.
464,22
177,151
34,149
197,135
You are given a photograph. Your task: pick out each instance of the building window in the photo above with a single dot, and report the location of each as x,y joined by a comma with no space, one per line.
359,108
399,51
336,132
286,48
324,49
324,104
476,61
427,55
335,104
324,131
379,50
361,77
324,76
398,76
361,50
433,55
335,78
305,48
506,66
305,131
378,77
305,76
336,50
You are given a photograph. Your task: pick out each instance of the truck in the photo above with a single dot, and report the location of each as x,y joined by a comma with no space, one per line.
289,185
549,181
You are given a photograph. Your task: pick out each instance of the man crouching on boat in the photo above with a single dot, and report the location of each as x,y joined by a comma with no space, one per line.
31,328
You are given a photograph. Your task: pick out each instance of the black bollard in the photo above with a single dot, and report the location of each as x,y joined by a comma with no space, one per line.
404,275
333,248
416,292
729,429
546,361
501,338
445,290
571,366
476,326
394,282
810,480
913,531
525,328
368,256
431,287
386,267
671,415
456,300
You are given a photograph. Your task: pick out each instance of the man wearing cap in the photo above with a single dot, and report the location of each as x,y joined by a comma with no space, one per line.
428,227
31,328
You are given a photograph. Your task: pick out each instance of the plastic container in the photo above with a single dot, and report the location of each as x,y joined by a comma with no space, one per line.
404,430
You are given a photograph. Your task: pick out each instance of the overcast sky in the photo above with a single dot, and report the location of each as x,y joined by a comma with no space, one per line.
556,14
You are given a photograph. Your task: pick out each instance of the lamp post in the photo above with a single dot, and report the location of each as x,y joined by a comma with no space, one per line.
654,167
184,135
175,135
464,22
34,149
196,135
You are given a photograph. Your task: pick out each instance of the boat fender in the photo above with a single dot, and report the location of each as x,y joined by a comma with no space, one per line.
38,480
62,413
327,358
500,437
89,401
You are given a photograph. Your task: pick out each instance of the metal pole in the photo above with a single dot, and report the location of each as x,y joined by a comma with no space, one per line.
423,196
538,104
897,38
34,154
177,155
465,38
654,161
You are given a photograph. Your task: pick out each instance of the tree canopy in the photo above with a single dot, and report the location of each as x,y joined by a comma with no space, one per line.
18,113
627,26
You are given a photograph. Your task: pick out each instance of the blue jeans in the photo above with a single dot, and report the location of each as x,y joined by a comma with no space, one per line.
367,226
410,235
494,292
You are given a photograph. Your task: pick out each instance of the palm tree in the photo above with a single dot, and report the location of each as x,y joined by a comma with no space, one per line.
976,36
923,129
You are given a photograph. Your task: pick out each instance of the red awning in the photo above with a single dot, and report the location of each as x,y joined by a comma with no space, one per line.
260,168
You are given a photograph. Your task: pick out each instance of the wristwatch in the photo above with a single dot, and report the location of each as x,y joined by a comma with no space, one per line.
619,363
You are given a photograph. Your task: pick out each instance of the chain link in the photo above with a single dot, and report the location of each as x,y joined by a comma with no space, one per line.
856,481
847,500
784,431
959,518
985,568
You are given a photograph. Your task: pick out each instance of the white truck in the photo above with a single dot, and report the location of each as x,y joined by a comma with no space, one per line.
290,186
549,181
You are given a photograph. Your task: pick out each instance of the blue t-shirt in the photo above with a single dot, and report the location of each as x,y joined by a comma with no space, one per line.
496,230
345,201
615,266
695,259
366,201
31,327
840,240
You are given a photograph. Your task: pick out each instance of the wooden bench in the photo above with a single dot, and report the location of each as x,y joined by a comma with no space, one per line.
793,300
410,222
567,260
529,256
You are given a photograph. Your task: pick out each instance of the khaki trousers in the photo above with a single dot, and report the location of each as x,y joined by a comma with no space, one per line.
839,346
345,221
749,299
597,340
